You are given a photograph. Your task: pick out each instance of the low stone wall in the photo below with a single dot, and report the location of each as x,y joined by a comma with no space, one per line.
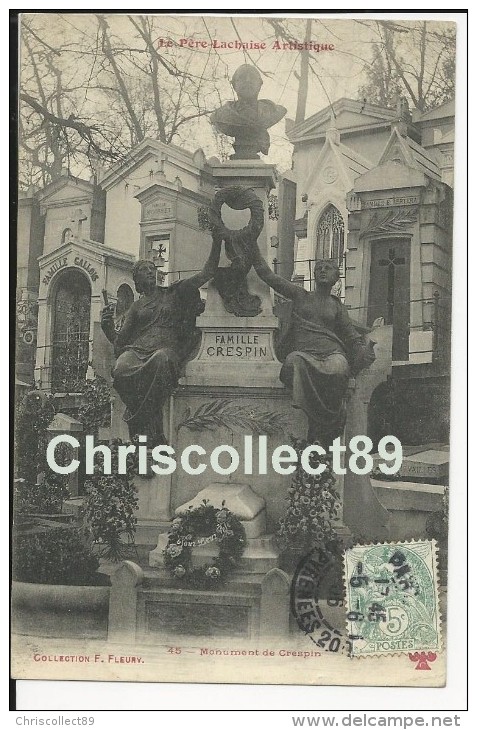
60,611
409,504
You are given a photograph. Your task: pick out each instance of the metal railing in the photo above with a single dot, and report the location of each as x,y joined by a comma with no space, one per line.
435,315
65,364
436,319
68,360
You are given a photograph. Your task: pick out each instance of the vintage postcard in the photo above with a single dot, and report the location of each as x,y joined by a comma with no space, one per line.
233,338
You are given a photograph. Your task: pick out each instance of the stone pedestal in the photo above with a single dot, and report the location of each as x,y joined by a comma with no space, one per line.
234,350
259,409
239,350
363,512
236,372
260,555
261,178
154,506
240,499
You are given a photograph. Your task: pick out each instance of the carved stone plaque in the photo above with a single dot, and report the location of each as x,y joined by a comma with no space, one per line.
157,210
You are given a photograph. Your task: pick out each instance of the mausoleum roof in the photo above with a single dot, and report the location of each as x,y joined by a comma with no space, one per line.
76,186
351,115
355,162
349,163
405,150
152,148
447,109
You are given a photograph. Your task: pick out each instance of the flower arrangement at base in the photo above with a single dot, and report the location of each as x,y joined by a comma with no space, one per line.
312,508
200,526
111,503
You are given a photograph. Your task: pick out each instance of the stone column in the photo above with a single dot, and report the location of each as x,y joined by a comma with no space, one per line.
275,604
125,584
363,513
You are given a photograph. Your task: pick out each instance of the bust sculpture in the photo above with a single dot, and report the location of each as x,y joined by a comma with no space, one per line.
248,118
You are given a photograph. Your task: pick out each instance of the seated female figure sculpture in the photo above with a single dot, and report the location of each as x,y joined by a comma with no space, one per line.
323,349
156,337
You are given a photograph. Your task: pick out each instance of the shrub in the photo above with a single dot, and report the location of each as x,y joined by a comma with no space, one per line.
37,488
59,557
45,498
111,501
95,407
31,436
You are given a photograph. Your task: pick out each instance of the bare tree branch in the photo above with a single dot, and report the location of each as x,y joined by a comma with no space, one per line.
85,131
106,46
40,40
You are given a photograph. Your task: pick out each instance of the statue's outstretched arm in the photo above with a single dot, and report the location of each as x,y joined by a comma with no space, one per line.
278,283
210,267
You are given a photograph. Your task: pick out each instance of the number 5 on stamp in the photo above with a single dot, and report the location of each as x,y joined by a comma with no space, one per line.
392,594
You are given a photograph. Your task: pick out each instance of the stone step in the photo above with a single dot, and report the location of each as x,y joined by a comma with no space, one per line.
237,581
147,531
422,465
430,464
410,504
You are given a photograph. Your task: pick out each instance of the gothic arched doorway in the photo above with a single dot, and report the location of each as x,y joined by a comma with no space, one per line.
330,235
70,337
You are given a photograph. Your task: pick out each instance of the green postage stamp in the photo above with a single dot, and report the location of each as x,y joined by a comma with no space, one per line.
392,598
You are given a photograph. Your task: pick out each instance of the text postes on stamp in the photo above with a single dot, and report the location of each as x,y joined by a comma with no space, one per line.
392,598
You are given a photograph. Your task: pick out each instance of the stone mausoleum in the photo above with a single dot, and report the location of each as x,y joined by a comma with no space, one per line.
372,187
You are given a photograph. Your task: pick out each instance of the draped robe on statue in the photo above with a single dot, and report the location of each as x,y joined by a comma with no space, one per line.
319,346
157,335
321,350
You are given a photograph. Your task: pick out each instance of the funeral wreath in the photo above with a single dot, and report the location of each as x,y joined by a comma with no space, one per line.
204,525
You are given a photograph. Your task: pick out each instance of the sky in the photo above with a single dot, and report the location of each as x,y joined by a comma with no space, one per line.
338,69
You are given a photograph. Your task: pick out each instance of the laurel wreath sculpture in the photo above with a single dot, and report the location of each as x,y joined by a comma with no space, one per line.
231,282
391,221
200,526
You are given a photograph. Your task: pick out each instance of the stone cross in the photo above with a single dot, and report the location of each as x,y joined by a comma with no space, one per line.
162,162
78,218
391,262
160,172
